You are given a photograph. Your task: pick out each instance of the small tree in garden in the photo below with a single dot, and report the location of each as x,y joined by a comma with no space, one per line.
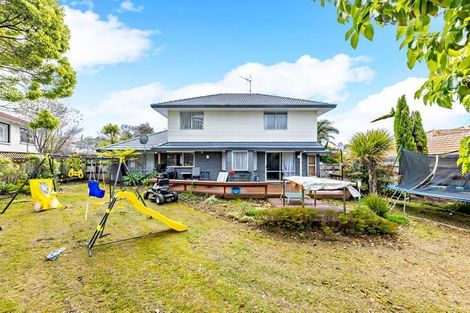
402,126
46,122
111,131
371,148
418,133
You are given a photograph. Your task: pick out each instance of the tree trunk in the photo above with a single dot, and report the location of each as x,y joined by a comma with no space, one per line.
372,178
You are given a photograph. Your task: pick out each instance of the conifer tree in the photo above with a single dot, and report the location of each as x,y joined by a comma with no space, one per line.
419,135
402,126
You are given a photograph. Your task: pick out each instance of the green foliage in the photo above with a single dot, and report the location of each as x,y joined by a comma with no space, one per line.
333,158
74,162
112,131
212,200
34,40
44,119
325,131
464,155
6,188
419,135
376,204
138,178
370,148
355,170
251,212
446,52
361,220
396,218
290,218
10,172
458,207
402,126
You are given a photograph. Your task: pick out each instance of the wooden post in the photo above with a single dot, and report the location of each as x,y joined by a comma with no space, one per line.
303,196
344,199
314,198
224,191
283,192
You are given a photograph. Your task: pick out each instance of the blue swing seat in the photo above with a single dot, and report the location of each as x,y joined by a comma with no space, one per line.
94,189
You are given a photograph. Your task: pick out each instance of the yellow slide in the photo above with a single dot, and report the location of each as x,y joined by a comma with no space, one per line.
139,206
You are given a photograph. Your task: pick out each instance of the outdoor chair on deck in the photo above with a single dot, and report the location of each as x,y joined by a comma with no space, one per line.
196,173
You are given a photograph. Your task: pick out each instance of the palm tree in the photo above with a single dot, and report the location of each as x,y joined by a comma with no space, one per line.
111,131
371,148
325,129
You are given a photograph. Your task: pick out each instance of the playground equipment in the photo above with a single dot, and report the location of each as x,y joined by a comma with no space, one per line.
138,203
160,192
43,195
94,189
73,173
436,176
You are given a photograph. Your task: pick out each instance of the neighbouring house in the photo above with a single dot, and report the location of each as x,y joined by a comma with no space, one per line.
15,139
445,141
252,136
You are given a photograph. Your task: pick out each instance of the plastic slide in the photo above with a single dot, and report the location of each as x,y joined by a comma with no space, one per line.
139,206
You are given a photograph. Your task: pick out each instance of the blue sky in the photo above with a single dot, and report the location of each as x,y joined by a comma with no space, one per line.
131,53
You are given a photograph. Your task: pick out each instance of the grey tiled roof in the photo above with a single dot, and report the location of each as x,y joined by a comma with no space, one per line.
217,146
241,100
154,140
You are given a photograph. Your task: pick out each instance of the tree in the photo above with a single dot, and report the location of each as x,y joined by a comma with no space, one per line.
446,52
56,141
111,131
127,131
371,148
402,126
47,123
33,42
418,133
325,129
143,129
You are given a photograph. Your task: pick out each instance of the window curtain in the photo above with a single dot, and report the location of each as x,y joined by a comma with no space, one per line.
281,121
240,160
269,121
185,120
288,164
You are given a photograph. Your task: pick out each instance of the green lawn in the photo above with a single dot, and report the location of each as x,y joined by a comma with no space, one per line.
220,265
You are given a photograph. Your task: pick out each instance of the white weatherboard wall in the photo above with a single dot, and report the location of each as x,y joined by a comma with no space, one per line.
15,145
244,126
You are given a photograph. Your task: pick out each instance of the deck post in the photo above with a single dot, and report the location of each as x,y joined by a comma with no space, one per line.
314,198
303,196
224,191
344,199
283,192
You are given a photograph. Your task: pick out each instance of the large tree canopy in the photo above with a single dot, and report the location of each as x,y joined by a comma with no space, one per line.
33,42
446,52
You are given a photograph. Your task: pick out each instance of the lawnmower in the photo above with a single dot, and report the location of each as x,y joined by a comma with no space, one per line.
160,192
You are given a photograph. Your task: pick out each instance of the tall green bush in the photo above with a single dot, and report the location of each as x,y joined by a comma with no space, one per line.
419,135
402,126
377,204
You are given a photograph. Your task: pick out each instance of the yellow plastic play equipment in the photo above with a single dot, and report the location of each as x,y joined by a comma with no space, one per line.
138,203
73,173
43,195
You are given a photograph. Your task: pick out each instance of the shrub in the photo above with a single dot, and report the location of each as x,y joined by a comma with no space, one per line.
361,220
458,207
290,218
377,204
251,212
212,200
6,188
396,218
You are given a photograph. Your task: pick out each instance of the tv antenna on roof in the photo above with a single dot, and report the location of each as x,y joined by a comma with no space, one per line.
249,79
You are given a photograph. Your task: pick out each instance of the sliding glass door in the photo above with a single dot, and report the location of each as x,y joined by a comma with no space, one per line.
279,164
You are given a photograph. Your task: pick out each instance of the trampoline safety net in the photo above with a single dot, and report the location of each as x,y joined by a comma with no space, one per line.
436,176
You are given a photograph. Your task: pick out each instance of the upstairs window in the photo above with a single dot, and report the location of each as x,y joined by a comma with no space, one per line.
192,120
275,120
4,132
25,136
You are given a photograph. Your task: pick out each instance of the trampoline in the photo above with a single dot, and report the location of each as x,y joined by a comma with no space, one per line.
436,176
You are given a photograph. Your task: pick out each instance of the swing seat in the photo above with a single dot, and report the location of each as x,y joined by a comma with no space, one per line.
94,189
43,195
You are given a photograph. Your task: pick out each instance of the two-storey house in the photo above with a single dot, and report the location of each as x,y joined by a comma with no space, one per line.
257,136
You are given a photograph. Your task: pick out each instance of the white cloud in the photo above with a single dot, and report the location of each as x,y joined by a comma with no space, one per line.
375,105
307,77
95,42
128,5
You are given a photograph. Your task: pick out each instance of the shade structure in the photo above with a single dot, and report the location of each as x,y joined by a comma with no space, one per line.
313,183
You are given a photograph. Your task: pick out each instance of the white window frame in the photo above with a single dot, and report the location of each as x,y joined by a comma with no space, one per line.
224,161
8,130
182,153
275,120
191,126
247,161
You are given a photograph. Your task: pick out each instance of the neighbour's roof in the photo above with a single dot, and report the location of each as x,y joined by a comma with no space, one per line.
446,140
155,139
241,100
12,118
218,146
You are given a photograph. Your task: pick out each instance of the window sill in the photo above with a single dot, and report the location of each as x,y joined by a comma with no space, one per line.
5,143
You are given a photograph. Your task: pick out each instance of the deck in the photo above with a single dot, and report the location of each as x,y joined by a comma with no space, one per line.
248,190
